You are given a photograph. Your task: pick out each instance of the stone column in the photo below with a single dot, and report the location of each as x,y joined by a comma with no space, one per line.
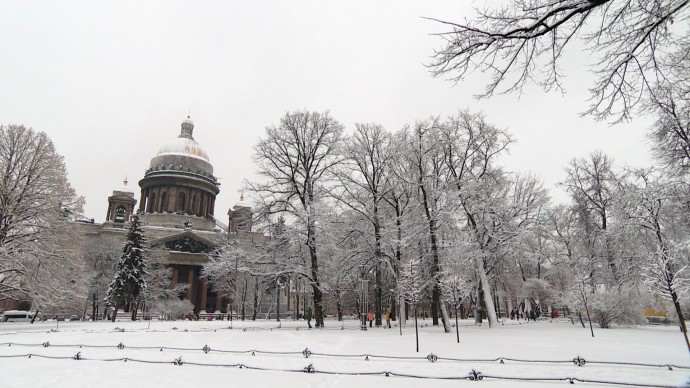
157,204
173,199
203,289
219,301
195,208
202,208
175,273
142,201
188,200
162,208
190,286
130,211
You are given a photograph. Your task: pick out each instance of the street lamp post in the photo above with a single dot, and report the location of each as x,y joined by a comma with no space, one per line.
365,281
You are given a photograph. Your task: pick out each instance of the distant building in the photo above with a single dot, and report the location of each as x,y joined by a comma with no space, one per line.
176,207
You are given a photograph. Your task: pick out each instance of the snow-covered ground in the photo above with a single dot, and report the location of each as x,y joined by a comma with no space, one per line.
338,354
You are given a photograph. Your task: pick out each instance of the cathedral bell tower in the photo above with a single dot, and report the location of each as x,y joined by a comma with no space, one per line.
121,205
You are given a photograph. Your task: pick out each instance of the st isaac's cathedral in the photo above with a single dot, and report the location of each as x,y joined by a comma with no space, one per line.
177,210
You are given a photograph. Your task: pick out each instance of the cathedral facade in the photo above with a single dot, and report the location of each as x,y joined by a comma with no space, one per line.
177,210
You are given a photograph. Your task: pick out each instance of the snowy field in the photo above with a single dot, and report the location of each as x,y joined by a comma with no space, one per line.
171,354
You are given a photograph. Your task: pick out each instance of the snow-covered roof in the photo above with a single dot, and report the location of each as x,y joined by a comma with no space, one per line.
124,188
184,146
242,203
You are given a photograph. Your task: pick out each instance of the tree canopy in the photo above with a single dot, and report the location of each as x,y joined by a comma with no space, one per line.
39,260
632,45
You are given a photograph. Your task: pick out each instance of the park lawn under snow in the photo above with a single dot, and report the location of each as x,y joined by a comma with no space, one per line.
184,340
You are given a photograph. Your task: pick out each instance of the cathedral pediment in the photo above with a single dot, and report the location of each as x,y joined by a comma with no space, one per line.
186,241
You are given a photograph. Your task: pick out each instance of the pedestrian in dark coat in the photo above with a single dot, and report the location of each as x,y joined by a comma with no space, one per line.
307,316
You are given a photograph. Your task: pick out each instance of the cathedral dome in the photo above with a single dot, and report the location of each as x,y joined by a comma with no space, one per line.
183,146
179,184
183,153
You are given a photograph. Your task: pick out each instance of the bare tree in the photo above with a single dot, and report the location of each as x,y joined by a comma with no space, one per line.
456,289
427,169
364,180
470,148
414,280
592,184
160,292
524,41
100,257
399,198
295,159
670,104
652,204
39,256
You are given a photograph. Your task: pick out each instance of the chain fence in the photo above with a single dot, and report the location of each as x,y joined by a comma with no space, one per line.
473,375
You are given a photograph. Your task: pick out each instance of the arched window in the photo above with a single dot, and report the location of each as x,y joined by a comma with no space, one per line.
180,202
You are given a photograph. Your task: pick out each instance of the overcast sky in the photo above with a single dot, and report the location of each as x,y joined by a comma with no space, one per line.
110,83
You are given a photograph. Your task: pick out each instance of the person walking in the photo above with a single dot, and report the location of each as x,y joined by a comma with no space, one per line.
307,316
388,318
370,318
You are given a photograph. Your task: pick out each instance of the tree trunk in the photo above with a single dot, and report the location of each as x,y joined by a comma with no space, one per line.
256,299
394,308
435,268
416,329
315,285
398,257
378,295
444,316
377,256
94,306
582,322
589,319
340,310
457,328
318,306
476,307
296,298
402,316
435,298
135,307
244,297
278,304
486,290
681,318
